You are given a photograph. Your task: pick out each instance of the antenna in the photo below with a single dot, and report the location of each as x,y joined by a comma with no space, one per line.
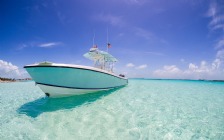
93,38
107,39
107,35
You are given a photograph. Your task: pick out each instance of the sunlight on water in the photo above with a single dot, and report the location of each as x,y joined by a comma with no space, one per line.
145,109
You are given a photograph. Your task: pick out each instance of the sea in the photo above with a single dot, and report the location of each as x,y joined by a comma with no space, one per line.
145,109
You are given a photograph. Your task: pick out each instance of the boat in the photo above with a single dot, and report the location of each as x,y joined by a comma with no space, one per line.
58,80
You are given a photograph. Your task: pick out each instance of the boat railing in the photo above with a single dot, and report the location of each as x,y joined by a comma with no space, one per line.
108,66
102,60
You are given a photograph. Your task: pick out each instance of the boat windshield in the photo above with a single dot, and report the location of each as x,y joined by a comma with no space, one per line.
102,60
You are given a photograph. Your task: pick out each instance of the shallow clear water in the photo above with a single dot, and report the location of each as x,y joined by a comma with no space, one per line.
145,109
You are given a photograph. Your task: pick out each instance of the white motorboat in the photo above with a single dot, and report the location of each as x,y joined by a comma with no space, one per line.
57,80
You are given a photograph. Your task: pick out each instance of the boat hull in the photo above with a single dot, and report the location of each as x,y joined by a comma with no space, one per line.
55,91
58,80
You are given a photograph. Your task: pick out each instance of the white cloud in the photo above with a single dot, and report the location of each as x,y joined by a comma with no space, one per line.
134,2
142,66
49,45
215,69
37,44
216,13
220,43
192,67
172,69
22,46
155,53
26,45
61,17
212,10
220,54
143,33
219,26
120,22
216,64
7,66
168,71
205,70
216,19
130,65
121,34
111,19
8,70
182,60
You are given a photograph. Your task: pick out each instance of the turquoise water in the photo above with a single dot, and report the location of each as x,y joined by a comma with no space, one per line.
145,109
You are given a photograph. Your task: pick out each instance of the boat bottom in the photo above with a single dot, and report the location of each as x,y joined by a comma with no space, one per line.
53,91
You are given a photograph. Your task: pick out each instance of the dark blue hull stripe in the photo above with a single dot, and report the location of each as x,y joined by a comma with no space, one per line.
79,87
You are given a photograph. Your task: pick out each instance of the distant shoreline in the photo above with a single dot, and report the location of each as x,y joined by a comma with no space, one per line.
9,80
179,79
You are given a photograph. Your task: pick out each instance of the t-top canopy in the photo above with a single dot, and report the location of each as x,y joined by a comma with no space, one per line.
95,54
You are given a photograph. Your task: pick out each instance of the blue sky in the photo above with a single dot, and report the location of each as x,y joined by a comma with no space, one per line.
151,38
